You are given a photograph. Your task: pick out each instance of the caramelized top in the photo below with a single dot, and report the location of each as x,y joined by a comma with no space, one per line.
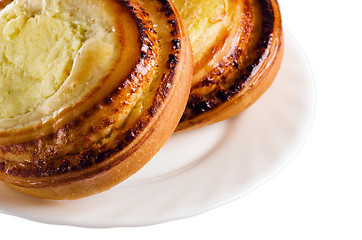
238,54
63,68
120,82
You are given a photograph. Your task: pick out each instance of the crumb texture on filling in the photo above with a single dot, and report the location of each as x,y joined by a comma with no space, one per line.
37,51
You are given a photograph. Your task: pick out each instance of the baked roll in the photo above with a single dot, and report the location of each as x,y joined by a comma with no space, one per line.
90,90
237,48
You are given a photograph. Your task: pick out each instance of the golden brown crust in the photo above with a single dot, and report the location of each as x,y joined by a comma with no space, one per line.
4,3
244,70
92,145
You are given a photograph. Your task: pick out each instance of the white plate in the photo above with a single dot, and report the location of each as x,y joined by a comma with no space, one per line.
198,170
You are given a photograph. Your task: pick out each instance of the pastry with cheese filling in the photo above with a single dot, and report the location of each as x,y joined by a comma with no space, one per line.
237,47
90,90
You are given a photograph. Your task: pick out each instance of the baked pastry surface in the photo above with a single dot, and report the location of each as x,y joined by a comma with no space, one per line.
118,75
237,48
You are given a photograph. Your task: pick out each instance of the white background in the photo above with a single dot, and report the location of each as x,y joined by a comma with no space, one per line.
319,194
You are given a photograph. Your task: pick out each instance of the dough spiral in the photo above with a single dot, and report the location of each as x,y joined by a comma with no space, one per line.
238,49
122,99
